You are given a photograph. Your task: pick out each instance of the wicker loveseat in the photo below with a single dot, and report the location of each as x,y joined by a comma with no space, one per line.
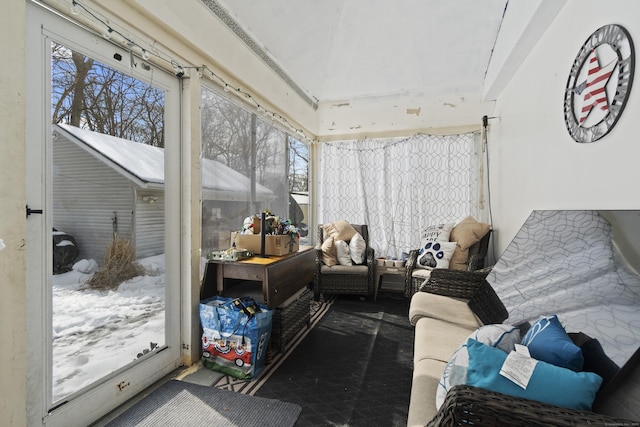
356,279
448,307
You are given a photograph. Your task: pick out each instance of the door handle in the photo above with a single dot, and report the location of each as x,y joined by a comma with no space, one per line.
33,211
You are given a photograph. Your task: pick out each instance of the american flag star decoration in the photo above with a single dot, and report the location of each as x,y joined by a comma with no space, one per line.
599,84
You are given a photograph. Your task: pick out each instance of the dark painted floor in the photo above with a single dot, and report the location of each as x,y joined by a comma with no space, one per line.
354,368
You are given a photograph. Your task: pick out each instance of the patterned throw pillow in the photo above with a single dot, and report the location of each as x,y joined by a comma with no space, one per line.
436,233
501,336
548,341
435,255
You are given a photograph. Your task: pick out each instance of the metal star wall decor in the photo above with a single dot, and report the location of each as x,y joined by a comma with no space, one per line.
599,83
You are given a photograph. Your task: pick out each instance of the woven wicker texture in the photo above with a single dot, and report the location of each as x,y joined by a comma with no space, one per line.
469,285
349,282
287,321
466,405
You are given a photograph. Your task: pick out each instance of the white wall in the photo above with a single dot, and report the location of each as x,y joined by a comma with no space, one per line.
13,308
534,162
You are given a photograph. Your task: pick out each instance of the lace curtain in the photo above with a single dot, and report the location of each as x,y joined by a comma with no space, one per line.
400,186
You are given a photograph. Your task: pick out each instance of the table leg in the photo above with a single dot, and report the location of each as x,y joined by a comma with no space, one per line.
376,285
220,278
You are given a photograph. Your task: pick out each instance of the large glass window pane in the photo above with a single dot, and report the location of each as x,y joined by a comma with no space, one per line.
299,211
108,296
244,169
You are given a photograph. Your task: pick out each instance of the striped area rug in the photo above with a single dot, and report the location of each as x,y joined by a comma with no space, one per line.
227,382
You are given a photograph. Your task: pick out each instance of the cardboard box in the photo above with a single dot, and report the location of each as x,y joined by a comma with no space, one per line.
277,245
257,223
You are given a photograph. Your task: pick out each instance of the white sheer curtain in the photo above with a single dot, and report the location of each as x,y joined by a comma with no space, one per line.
400,186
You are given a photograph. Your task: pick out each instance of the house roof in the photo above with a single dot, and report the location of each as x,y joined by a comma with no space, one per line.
144,164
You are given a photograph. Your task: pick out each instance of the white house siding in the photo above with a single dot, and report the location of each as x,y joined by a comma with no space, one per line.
87,196
149,223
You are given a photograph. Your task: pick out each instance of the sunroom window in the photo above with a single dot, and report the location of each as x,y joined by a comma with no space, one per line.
248,166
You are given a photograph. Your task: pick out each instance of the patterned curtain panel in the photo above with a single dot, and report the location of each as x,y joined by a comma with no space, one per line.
400,186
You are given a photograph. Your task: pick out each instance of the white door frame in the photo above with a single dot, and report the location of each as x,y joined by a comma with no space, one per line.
44,26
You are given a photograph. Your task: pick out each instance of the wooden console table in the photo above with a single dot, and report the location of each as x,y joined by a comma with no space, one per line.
281,276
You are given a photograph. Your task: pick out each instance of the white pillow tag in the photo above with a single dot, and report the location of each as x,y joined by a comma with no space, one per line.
518,368
522,349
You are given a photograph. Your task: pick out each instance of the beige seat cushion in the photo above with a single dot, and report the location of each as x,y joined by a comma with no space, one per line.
422,404
424,304
421,273
344,269
438,339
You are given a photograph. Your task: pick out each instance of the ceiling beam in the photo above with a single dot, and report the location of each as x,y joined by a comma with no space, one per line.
523,25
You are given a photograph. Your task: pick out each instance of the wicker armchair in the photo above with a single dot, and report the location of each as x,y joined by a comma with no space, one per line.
341,279
476,261
468,405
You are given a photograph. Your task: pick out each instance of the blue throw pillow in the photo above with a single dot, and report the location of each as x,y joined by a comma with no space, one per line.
548,384
548,341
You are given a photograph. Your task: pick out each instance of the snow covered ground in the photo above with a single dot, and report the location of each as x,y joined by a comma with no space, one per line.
97,332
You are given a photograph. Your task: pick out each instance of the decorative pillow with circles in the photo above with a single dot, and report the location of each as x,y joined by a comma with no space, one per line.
435,255
501,336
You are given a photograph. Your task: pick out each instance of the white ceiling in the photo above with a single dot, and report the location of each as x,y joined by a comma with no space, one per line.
351,51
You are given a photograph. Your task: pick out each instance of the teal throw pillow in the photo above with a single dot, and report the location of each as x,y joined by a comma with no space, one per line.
549,383
501,336
548,341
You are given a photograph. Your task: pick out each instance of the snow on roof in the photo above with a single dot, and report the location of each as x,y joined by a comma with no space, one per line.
301,198
146,163
222,179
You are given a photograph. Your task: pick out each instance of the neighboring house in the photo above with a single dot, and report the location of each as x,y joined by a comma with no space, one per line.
104,185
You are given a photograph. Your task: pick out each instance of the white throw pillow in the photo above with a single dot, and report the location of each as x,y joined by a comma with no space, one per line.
343,253
501,336
436,233
357,246
435,255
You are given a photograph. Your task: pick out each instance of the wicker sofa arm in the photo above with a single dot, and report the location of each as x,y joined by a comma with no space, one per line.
467,405
472,286
454,283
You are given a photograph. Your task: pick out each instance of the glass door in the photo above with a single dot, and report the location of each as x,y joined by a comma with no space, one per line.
104,174
108,280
